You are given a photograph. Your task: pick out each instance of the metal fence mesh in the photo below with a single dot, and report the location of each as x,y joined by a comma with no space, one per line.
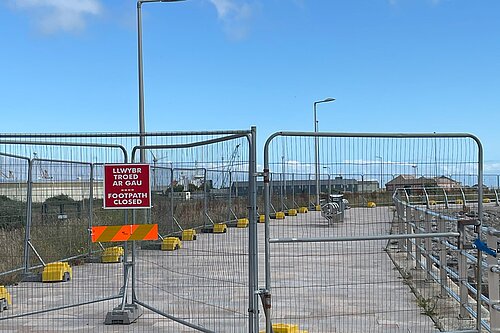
330,273
51,192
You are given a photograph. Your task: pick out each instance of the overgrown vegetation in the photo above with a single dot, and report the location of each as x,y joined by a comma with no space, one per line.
428,306
12,213
60,225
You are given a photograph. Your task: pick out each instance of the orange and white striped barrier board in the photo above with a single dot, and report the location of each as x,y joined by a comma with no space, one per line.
120,233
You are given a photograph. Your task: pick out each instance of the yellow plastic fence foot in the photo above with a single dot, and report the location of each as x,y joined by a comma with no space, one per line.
171,244
220,228
189,235
285,328
242,223
112,254
280,215
302,210
5,299
57,272
371,204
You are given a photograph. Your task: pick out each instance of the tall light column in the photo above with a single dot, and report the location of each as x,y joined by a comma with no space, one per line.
381,171
142,125
415,167
329,182
316,147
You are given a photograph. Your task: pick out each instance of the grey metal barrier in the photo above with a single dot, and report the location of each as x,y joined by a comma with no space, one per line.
59,213
454,266
217,267
347,276
53,185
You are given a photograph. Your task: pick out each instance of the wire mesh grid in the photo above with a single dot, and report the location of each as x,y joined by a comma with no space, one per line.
204,283
206,280
327,273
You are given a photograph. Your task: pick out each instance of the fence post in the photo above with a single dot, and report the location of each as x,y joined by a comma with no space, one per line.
172,217
271,190
27,231
253,306
282,195
309,191
462,271
464,204
91,208
493,282
442,258
205,200
446,203
403,218
428,246
418,244
229,208
427,201
409,218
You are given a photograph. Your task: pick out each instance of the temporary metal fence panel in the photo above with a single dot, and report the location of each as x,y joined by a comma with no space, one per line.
51,186
206,281
347,269
13,201
57,186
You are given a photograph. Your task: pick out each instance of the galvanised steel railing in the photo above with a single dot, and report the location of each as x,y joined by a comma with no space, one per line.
450,263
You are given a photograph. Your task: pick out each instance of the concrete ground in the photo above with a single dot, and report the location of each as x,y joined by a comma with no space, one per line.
322,287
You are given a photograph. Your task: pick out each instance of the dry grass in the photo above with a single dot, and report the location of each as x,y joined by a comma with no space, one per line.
56,239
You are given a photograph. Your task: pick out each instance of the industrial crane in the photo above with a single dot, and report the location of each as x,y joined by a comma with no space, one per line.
227,171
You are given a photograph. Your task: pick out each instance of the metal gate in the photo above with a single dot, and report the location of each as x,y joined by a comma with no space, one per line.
377,249
51,193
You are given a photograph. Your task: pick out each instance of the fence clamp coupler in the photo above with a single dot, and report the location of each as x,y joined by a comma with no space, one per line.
265,297
266,176
481,246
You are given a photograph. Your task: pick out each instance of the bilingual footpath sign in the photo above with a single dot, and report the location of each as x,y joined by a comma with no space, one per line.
126,186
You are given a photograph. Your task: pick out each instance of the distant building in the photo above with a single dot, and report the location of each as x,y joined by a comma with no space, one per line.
447,182
300,186
42,190
410,181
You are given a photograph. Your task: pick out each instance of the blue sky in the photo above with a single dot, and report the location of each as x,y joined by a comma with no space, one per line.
392,65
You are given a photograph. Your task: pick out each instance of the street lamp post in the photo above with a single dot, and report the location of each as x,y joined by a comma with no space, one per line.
381,171
316,147
283,184
415,167
142,125
329,181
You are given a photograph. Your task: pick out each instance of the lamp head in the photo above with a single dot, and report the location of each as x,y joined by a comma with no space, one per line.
326,100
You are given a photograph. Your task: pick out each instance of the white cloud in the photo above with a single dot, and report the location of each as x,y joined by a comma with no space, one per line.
235,15
492,167
223,7
60,15
232,9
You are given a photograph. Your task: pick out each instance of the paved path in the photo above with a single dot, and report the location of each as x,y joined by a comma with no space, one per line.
323,287
341,286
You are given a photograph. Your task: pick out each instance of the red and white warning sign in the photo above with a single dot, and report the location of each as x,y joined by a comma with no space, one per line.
126,186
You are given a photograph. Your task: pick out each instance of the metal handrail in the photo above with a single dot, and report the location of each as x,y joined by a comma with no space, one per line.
411,215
